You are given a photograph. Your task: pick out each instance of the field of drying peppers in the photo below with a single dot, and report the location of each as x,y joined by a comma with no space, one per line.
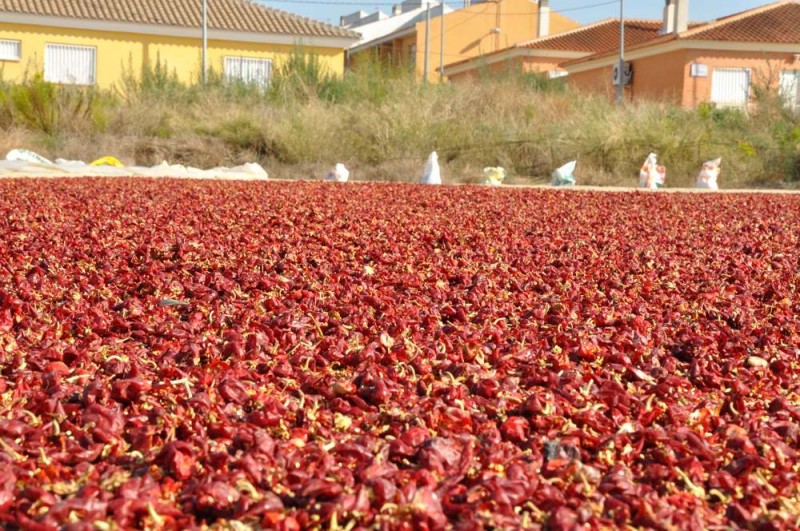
298,355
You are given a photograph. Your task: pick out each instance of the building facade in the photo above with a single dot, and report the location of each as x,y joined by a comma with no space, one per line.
477,29
85,42
724,62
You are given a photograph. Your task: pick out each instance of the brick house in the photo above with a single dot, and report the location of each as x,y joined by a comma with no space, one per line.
545,54
721,62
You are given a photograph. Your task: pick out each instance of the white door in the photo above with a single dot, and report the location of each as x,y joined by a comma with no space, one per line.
730,87
790,88
69,64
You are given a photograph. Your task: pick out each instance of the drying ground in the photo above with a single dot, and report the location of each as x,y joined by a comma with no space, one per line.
301,355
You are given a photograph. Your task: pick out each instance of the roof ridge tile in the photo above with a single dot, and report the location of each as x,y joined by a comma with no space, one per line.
233,15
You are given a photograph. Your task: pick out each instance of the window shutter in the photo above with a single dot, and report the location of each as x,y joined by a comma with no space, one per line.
70,64
248,70
730,87
10,50
790,87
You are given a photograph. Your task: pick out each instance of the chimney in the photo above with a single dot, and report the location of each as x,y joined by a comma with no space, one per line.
669,17
676,16
544,19
681,16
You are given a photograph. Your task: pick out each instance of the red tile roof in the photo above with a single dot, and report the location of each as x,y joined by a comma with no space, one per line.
595,38
598,37
777,23
230,15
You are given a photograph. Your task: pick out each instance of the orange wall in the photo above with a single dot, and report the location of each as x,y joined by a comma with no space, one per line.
659,77
766,68
468,31
525,64
666,77
597,80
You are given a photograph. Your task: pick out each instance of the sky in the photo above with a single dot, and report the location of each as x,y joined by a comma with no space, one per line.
583,11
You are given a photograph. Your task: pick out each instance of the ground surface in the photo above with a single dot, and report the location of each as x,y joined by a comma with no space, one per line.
174,354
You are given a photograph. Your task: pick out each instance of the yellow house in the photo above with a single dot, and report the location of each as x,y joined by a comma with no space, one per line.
98,42
479,28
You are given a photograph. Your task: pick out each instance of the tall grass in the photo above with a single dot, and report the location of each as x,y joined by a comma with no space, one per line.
382,123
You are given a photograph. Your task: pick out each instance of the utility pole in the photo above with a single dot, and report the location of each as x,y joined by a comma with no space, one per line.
426,68
441,47
204,59
621,66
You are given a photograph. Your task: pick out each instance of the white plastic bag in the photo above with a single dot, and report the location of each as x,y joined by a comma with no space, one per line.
652,176
565,175
26,156
338,174
494,176
709,175
430,174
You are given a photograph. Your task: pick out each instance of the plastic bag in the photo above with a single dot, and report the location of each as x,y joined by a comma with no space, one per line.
494,176
108,161
25,155
338,174
565,175
709,175
652,176
431,174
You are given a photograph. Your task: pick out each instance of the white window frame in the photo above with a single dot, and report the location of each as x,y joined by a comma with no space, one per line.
734,104
233,67
57,74
10,50
790,88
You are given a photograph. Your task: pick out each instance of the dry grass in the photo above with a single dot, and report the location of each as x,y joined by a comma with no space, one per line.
382,125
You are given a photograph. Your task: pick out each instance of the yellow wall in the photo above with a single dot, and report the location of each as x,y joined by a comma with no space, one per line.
118,52
468,32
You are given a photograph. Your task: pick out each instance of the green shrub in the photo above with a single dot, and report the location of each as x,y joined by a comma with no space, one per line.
378,115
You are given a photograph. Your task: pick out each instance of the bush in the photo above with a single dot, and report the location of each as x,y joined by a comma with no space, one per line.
52,109
379,116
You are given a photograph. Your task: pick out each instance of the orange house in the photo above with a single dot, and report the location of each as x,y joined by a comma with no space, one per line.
722,62
474,30
545,54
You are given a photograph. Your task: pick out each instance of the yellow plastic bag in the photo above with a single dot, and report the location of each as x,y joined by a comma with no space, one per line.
108,161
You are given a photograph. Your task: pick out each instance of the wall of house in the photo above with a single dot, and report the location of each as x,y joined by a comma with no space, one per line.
469,31
523,64
659,78
766,70
396,52
667,77
121,53
597,80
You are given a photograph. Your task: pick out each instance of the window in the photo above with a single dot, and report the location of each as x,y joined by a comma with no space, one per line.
730,87
68,64
555,74
248,70
790,88
10,50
